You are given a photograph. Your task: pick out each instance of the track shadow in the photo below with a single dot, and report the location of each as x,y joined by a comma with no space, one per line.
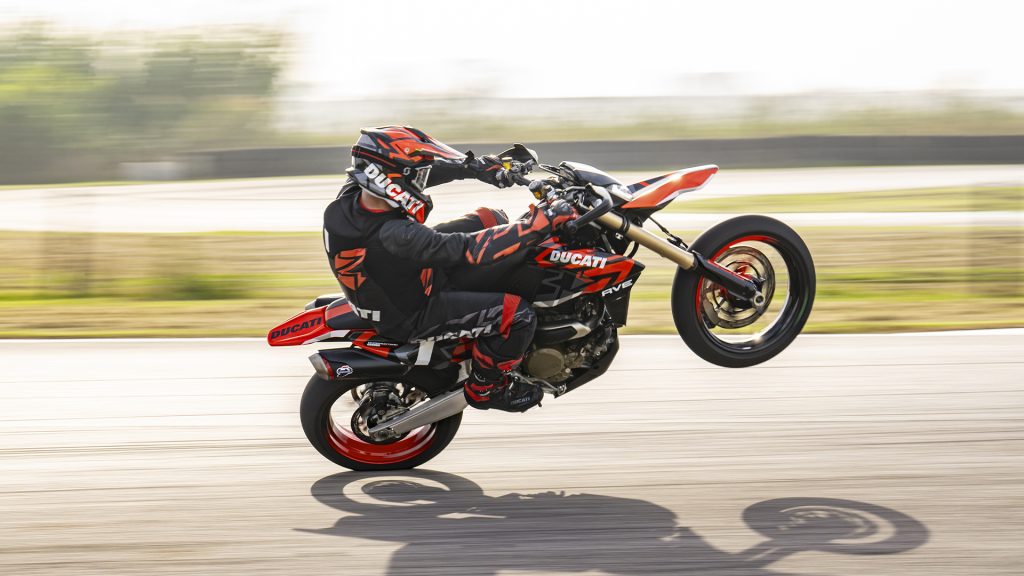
449,526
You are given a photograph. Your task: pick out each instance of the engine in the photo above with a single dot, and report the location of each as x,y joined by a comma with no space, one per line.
555,363
568,336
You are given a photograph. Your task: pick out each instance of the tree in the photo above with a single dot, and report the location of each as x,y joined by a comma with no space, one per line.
73,108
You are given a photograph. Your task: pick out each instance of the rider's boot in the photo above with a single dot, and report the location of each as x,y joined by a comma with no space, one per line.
505,393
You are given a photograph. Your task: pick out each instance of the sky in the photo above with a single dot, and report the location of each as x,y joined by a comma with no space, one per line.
557,48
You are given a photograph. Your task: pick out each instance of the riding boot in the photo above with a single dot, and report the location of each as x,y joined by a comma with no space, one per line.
505,393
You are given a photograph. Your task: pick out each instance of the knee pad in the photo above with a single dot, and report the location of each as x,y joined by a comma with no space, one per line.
517,315
490,217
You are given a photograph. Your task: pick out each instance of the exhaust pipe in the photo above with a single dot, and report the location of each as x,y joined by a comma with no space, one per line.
433,410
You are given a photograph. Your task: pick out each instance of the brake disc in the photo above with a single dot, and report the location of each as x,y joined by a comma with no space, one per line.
727,310
378,402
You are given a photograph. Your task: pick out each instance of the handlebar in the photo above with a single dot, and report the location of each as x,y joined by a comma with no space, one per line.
604,204
520,179
518,172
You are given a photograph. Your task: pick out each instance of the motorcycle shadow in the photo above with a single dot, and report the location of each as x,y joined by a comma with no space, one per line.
449,526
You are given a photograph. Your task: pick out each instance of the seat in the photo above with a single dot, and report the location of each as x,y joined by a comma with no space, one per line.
323,300
341,316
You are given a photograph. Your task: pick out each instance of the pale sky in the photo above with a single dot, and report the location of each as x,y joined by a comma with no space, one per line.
550,48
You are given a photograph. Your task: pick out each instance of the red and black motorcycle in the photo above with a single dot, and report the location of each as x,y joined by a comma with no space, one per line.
742,292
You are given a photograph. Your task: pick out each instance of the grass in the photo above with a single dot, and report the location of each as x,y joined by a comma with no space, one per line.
243,283
979,199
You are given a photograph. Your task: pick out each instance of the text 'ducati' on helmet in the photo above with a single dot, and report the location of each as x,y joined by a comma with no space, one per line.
393,163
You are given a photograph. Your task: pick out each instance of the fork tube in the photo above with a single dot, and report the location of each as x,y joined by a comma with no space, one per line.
644,238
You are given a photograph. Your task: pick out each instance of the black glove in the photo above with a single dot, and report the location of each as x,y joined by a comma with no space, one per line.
560,213
489,169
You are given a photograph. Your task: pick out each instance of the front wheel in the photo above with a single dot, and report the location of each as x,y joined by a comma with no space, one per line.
733,332
336,428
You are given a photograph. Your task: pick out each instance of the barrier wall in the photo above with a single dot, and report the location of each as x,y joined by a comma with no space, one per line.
782,152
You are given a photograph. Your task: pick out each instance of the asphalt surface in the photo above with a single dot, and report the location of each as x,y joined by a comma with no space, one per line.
297,204
846,455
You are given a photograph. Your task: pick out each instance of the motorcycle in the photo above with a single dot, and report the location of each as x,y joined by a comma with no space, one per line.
742,292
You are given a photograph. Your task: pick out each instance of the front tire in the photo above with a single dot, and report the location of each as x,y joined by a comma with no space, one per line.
336,442
732,333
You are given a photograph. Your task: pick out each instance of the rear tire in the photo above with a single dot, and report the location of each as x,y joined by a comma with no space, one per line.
690,288
339,445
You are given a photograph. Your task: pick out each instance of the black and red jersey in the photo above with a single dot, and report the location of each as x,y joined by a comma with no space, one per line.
385,262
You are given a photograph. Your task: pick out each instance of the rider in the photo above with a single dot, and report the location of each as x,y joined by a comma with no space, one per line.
384,256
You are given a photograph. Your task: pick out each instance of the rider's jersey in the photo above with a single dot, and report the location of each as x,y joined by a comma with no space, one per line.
384,261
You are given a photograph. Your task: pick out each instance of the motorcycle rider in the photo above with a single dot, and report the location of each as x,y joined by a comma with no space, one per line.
385,258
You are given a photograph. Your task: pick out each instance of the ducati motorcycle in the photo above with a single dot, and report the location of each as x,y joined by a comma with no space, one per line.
742,292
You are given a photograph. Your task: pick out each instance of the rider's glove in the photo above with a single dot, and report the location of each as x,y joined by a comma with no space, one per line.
489,169
560,213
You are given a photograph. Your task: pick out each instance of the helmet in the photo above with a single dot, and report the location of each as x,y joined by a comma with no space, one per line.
393,163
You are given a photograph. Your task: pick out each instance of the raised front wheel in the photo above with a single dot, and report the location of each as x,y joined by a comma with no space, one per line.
731,331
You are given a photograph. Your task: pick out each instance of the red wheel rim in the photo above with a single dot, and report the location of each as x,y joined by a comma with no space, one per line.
351,446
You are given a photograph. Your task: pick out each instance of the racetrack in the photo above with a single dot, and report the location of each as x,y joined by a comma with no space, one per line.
846,455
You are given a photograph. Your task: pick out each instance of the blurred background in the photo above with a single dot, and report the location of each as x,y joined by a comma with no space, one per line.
163,171
164,167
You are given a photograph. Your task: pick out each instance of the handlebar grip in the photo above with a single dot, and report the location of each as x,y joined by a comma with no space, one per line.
562,208
602,207
520,179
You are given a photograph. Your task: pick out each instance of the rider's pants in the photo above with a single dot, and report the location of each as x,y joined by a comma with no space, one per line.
501,325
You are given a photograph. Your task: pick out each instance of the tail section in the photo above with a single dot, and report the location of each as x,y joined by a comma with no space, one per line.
305,328
656,193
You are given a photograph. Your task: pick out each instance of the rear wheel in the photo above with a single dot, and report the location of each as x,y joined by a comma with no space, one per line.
338,429
734,332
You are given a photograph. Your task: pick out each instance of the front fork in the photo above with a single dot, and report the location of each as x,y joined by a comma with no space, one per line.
737,285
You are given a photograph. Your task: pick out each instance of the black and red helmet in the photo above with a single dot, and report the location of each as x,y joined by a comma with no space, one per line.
393,163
